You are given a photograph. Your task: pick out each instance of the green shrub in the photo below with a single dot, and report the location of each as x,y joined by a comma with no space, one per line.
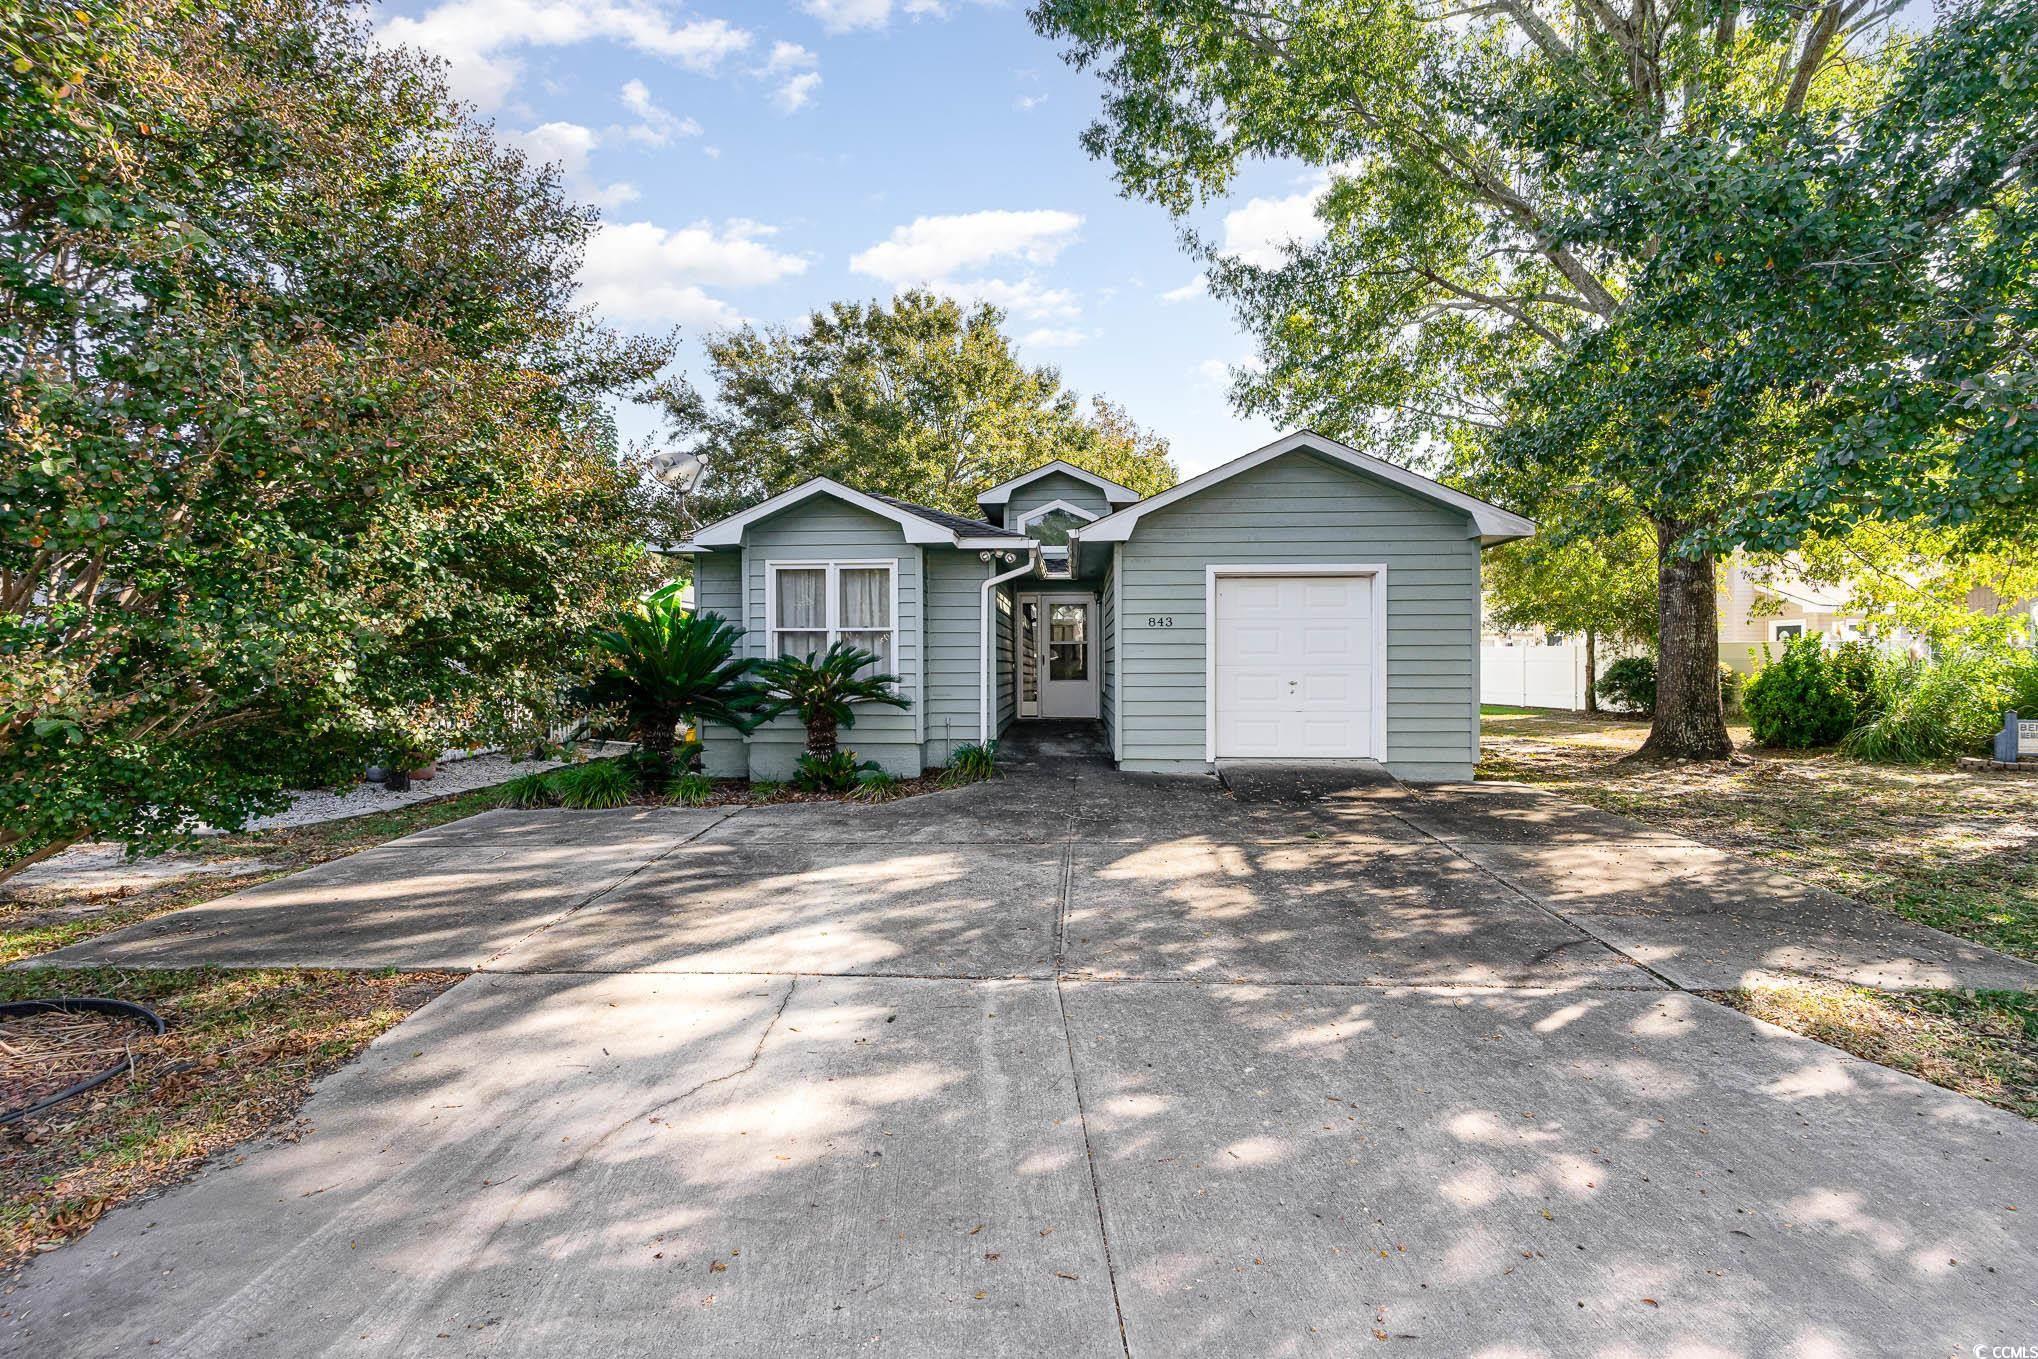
764,790
1799,700
971,763
831,773
690,789
875,785
527,791
595,785
1730,688
1855,663
1937,709
1629,684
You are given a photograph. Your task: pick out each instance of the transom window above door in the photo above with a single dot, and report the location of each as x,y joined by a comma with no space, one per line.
809,606
1050,524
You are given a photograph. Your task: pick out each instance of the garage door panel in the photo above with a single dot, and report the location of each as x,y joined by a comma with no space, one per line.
1294,672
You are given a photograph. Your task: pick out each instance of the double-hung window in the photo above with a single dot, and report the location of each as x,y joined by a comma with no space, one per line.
816,604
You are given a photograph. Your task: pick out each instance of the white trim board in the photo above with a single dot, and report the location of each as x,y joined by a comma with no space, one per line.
1377,570
1494,525
729,532
1042,511
1114,494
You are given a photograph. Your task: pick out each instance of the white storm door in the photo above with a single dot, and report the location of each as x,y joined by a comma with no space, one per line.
1294,667
1067,635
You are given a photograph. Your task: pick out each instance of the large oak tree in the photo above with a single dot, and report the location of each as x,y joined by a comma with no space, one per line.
1568,244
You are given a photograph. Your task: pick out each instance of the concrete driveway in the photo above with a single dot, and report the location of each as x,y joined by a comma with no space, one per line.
1077,1063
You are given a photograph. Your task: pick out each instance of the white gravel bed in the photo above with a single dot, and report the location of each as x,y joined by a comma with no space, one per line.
454,776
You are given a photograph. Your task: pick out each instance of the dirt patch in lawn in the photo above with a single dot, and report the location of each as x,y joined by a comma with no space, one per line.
1939,845
240,1055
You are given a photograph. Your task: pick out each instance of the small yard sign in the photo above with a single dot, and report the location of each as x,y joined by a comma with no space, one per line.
2019,737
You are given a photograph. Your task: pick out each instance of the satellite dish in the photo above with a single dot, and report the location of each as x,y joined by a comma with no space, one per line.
676,471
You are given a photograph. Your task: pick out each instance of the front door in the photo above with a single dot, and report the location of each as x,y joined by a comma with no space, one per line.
1061,633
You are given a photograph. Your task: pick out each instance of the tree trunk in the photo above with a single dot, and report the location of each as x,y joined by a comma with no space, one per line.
657,735
1592,670
1690,723
821,736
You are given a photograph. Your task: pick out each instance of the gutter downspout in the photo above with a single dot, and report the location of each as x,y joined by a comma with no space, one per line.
985,686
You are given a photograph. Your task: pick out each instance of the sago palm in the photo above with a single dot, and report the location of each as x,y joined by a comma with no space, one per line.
825,692
666,666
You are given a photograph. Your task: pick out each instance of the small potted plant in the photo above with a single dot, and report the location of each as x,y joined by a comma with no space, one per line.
407,755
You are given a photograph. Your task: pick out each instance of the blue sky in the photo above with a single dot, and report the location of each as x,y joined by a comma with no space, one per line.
753,160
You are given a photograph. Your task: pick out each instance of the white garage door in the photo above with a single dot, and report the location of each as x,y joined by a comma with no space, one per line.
1294,667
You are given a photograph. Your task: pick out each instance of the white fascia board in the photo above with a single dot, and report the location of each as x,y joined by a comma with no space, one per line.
1113,492
729,532
1494,525
1042,511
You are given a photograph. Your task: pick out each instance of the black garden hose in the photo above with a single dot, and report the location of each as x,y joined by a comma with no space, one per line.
15,1009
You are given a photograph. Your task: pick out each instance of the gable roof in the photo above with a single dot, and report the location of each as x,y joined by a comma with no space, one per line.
919,523
1114,493
1494,525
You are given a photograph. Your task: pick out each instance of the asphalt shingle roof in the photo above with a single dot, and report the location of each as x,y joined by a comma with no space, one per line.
955,523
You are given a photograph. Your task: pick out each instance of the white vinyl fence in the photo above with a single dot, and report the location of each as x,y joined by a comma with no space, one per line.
1535,676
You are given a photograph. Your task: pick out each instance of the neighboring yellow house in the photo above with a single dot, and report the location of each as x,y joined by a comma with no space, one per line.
1769,605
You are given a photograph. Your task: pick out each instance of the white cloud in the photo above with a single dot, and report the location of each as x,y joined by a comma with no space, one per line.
476,36
796,93
931,248
641,272
1194,288
840,16
1257,233
1052,337
789,56
568,146
1027,298
1026,103
658,126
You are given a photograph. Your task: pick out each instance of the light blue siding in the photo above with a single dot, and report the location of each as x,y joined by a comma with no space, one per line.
1302,509
824,529
1050,488
1007,707
718,588
1107,649
955,587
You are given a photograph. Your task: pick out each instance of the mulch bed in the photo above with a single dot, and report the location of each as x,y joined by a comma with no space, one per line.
736,793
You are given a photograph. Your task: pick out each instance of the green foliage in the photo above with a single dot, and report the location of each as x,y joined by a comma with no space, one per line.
834,772
1799,700
1855,664
690,790
875,785
302,435
825,691
764,790
1730,688
593,786
915,398
971,763
1573,580
527,791
1940,708
665,666
1629,684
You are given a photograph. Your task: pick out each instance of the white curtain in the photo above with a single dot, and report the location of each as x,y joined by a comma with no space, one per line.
802,623
866,610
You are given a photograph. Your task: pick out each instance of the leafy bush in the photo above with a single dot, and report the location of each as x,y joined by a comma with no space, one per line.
527,791
1855,663
1629,684
690,789
1730,688
1937,709
831,773
764,790
595,785
654,771
667,666
875,785
971,763
825,692
1799,700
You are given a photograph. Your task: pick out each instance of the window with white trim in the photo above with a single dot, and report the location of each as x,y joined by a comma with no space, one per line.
1780,631
813,605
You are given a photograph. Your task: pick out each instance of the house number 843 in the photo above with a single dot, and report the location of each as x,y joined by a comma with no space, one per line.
1160,620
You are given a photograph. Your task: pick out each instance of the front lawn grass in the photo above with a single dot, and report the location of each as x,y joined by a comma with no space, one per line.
241,1053
1981,1043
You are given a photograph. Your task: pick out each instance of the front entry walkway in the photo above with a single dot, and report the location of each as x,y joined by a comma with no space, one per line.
1075,1063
